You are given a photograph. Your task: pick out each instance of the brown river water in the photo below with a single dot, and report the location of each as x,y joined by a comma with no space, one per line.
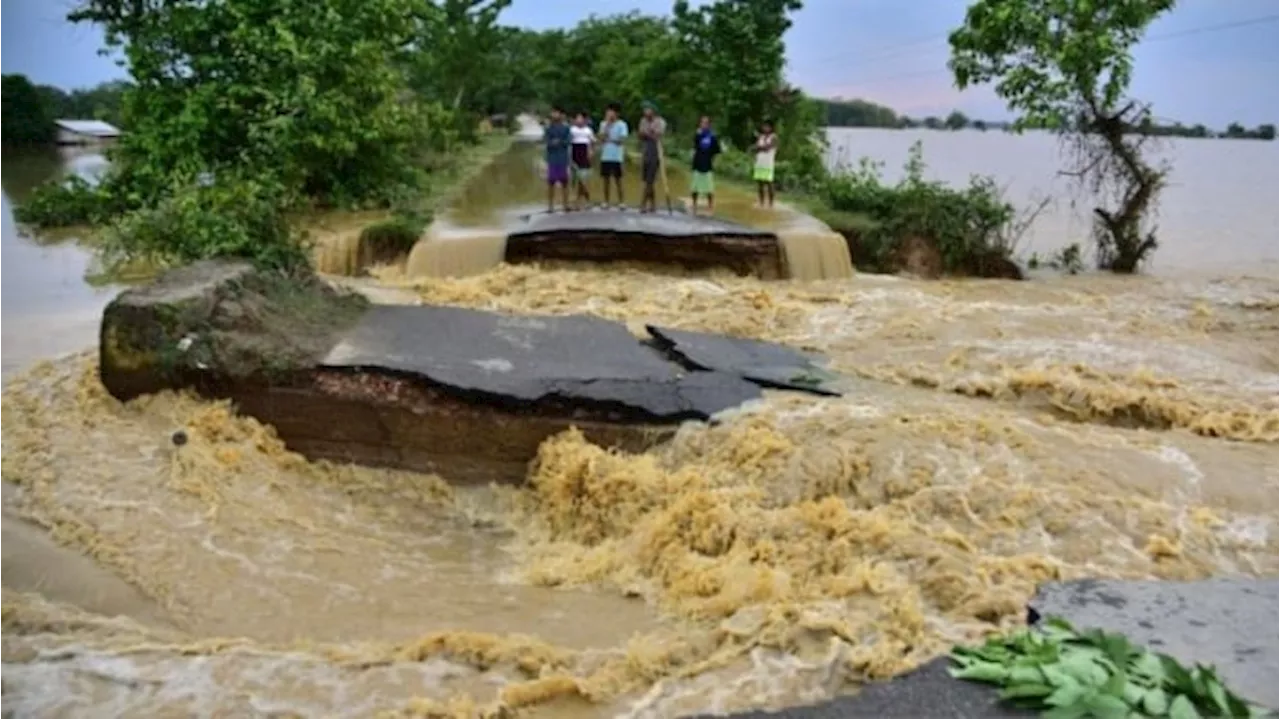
993,435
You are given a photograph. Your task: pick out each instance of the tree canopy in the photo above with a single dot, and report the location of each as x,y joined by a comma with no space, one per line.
1048,58
276,103
311,91
338,100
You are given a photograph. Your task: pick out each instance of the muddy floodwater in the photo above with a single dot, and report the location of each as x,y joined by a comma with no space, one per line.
993,435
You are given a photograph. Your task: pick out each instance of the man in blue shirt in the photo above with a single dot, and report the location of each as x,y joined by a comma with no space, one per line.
612,134
705,148
557,139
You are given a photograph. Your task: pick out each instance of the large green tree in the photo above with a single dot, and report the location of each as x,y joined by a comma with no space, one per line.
311,91
631,57
28,114
1067,65
458,54
736,52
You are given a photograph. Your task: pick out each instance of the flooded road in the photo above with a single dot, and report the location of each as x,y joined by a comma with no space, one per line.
470,238
993,435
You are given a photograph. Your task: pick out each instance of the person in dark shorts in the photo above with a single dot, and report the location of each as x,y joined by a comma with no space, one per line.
705,148
557,138
582,149
652,128
613,132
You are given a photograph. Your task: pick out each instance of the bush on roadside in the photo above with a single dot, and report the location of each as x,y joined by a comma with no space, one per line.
970,227
230,216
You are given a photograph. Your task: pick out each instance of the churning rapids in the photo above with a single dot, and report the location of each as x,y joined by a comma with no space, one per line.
993,435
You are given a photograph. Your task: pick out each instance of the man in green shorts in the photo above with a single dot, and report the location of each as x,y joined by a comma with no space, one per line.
705,148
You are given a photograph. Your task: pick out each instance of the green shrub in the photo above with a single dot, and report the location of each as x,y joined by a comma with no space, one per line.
390,238
72,201
969,226
845,222
227,217
412,206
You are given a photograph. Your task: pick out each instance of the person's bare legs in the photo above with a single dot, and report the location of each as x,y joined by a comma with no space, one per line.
695,202
711,203
759,194
769,193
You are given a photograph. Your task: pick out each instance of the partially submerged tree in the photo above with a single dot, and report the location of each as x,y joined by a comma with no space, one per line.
1066,65
956,120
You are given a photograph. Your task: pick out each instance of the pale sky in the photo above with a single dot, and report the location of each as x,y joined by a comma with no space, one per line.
1208,61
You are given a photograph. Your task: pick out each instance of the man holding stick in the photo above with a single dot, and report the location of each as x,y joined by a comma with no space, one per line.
652,128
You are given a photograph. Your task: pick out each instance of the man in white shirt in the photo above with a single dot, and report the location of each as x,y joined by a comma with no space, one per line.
582,141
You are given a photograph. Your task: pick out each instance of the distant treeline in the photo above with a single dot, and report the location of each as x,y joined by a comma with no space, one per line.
862,113
29,109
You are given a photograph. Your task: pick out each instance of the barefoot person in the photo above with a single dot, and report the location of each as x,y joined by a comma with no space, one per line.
766,151
557,139
705,148
613,133
582,143
652,128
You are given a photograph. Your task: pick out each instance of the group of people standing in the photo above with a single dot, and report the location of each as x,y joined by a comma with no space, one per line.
571,150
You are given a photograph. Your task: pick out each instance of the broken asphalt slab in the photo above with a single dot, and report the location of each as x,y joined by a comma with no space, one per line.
467,394
1230,623
765,363
577,360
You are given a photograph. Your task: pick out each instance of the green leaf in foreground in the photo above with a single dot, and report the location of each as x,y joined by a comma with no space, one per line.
1068,674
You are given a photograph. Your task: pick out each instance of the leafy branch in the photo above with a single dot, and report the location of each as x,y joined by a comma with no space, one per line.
1068,674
